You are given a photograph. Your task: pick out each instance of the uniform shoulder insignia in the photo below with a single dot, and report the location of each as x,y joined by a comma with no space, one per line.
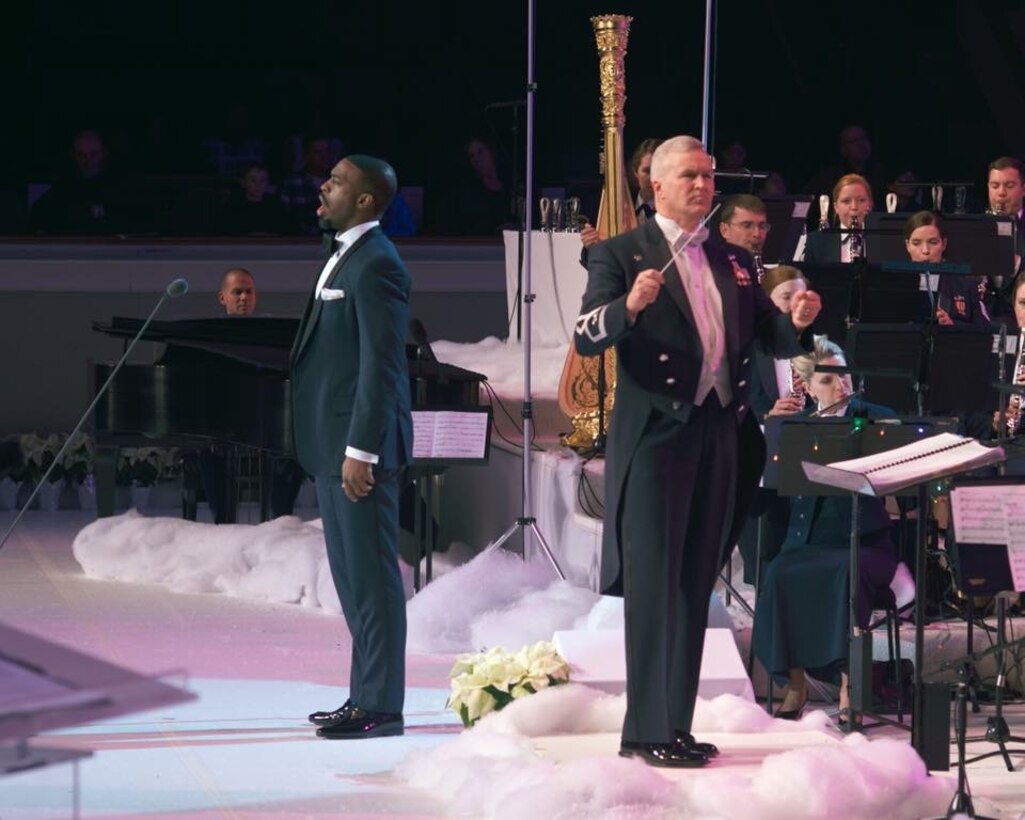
592,325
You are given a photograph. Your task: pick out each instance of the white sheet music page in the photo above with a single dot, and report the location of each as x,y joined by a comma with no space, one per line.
449,434
1014,509
993,514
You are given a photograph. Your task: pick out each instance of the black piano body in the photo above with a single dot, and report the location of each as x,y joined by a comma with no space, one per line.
222,381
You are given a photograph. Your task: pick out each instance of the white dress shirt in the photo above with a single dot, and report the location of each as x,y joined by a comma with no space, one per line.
345,240
706,305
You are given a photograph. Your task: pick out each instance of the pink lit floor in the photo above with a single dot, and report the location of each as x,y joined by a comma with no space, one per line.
244,748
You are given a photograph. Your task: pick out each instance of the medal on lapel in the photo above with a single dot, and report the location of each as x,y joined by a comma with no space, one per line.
740,273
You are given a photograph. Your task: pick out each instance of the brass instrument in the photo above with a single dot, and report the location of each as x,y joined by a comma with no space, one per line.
1014,403
579,384
824,212
756,257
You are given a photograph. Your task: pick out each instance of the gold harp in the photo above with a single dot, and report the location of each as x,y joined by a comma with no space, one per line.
578,386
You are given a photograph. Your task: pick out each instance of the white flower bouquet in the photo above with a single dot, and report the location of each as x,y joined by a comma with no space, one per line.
38,454
485,682
77,462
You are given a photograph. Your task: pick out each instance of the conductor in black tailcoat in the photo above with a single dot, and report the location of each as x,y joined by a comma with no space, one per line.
353,434
684,453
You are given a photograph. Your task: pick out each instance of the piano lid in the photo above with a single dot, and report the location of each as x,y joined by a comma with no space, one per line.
264,341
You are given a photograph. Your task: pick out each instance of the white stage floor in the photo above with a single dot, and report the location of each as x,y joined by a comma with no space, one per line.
244,749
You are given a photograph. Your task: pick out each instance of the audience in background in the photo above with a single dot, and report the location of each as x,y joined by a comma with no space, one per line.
91,199
236,145
300,192
252,209
480,203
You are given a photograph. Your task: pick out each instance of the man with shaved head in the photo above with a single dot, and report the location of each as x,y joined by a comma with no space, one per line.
353,433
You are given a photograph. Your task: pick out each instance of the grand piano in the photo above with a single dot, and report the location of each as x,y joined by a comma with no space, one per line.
223,381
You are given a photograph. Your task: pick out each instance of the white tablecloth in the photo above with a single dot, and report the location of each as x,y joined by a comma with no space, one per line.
557,280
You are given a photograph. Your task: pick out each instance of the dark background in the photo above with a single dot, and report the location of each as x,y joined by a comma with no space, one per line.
934,82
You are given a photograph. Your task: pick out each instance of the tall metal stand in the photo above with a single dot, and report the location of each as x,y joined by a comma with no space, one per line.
526,522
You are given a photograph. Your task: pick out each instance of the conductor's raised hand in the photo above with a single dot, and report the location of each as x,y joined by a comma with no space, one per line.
644,291
805,307
589,235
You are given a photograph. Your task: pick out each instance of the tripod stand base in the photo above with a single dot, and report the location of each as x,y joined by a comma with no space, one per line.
531,524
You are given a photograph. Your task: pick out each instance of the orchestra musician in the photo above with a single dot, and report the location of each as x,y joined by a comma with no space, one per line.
852,201
776,390
802,619
743,222
1005,177
957,297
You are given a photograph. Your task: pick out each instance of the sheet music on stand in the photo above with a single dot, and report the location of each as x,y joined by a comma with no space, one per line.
442,437
987,514
446,436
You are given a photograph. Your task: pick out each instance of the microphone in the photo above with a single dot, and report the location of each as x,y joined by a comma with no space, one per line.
179,287
173,290
418,333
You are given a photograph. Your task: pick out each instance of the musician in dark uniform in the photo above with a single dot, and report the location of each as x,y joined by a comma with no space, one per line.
957,297
353,432
852,200
1005,190
801,621
684,453
774,392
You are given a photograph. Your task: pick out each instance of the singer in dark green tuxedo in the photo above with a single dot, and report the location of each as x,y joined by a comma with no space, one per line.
353,433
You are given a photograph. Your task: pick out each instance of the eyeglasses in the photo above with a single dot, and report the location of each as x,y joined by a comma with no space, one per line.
748,225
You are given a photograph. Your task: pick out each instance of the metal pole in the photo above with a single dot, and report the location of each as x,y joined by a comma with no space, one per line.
528,293
706,101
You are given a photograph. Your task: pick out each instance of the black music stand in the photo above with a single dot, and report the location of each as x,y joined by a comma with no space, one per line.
933,368
981,543
823,441
983,241
442,437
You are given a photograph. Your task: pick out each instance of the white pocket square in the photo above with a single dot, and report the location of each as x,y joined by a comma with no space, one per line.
329,294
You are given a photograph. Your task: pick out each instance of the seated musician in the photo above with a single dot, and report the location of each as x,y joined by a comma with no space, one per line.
957,297
1012,414
237,295
852,202
801,620
776,390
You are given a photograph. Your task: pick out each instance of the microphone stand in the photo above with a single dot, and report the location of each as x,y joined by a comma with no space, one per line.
527,522
176,288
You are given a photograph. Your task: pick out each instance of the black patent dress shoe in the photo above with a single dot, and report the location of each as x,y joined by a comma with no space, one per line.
686,739
668,755
330,718
362,723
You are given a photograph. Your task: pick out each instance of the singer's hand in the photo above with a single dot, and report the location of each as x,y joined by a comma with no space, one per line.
805,307
942,317
589,235
786,406
357,478
644,291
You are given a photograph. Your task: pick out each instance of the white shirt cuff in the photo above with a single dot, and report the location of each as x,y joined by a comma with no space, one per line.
360,455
